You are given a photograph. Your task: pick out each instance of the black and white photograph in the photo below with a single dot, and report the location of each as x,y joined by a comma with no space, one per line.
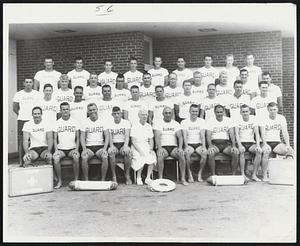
149,122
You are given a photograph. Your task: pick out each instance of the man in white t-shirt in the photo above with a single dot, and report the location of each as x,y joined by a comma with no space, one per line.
247,138
147,91
259,103
193,129
120,93
208,103
78,108
221,139
223,89
198,88
158,74
39,133
169,142
208,73
273,90
234,102
134,105
94,139
133,76
156,107
254,72
78,76
182,72
172,91
182,103
249,89
119,130
108,76
23,103
93,92
47,76
66,142
64,94
271,127
232,71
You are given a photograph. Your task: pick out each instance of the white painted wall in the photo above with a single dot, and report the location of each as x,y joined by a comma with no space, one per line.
12,89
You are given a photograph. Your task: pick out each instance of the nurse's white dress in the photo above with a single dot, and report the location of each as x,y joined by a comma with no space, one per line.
142,133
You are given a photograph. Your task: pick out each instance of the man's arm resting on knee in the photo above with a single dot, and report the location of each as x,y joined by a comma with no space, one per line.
180,139
26,136
77,139
82,140
184,136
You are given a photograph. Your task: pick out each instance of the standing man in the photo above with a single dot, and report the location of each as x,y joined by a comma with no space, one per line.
232,71
108,77
220,130
47,76
270,128
193,129
172,91
78,76
254,72
169,142
249,89
158,74
64,94
273,90
208,73
235,101
247,138
37,139
133,76
94,138
23,103
120,93
93,92
119,143
147,90
78,108
66,142
182,72
134,105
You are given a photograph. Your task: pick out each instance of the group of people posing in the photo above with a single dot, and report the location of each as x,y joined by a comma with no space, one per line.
147,117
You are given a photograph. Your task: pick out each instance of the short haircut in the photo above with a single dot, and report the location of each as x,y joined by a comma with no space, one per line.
180,57
196,72
64,104
194,106
229,55
262,83
159,86
187,81
207,55
272,104
173,74
146,73
211,85
93,73
120,76
37,107
244,106
78,87
134,87
48,57
132,59
64,76
266,73
157,57
237,82
249,54
106,86
77,58
243,70
92,104
223,72
28,78
116,109
48,85
219,106
107,60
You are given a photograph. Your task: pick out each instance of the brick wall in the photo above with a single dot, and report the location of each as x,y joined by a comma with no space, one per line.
93,49
288,81
266,46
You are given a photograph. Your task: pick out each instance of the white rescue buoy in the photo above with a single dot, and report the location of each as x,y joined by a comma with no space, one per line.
162,185
92,185
226,180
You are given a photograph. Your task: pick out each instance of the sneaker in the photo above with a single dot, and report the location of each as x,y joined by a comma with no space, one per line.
148,181
139,181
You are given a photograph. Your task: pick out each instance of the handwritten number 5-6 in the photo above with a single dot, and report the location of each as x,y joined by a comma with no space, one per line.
104,9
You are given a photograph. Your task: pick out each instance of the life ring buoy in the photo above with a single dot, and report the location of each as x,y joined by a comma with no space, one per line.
162,185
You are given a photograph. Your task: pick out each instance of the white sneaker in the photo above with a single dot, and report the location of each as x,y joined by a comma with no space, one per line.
139,181
148,181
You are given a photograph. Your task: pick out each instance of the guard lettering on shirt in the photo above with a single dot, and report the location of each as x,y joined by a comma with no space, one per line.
273,127
66,129
95,129
38,130
120,131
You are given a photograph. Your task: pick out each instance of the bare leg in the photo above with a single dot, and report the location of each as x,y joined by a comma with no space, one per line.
160,163
256,163
202,166
57,168
182,167
188,167
265,164
112,162
85,167
212,164
127,169
149,171
104,167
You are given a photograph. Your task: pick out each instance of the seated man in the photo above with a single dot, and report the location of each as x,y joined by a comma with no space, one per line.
39,133
219,131
118,143
94,138
66,142
169,142
193,129
270,128
245,130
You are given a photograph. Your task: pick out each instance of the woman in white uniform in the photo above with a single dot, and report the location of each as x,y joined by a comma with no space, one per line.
142,147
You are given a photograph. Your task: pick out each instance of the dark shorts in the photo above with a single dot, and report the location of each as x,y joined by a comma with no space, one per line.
39,150
195,146
273,144
95,148
66,151
119,145
247,145
169,149
221,144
